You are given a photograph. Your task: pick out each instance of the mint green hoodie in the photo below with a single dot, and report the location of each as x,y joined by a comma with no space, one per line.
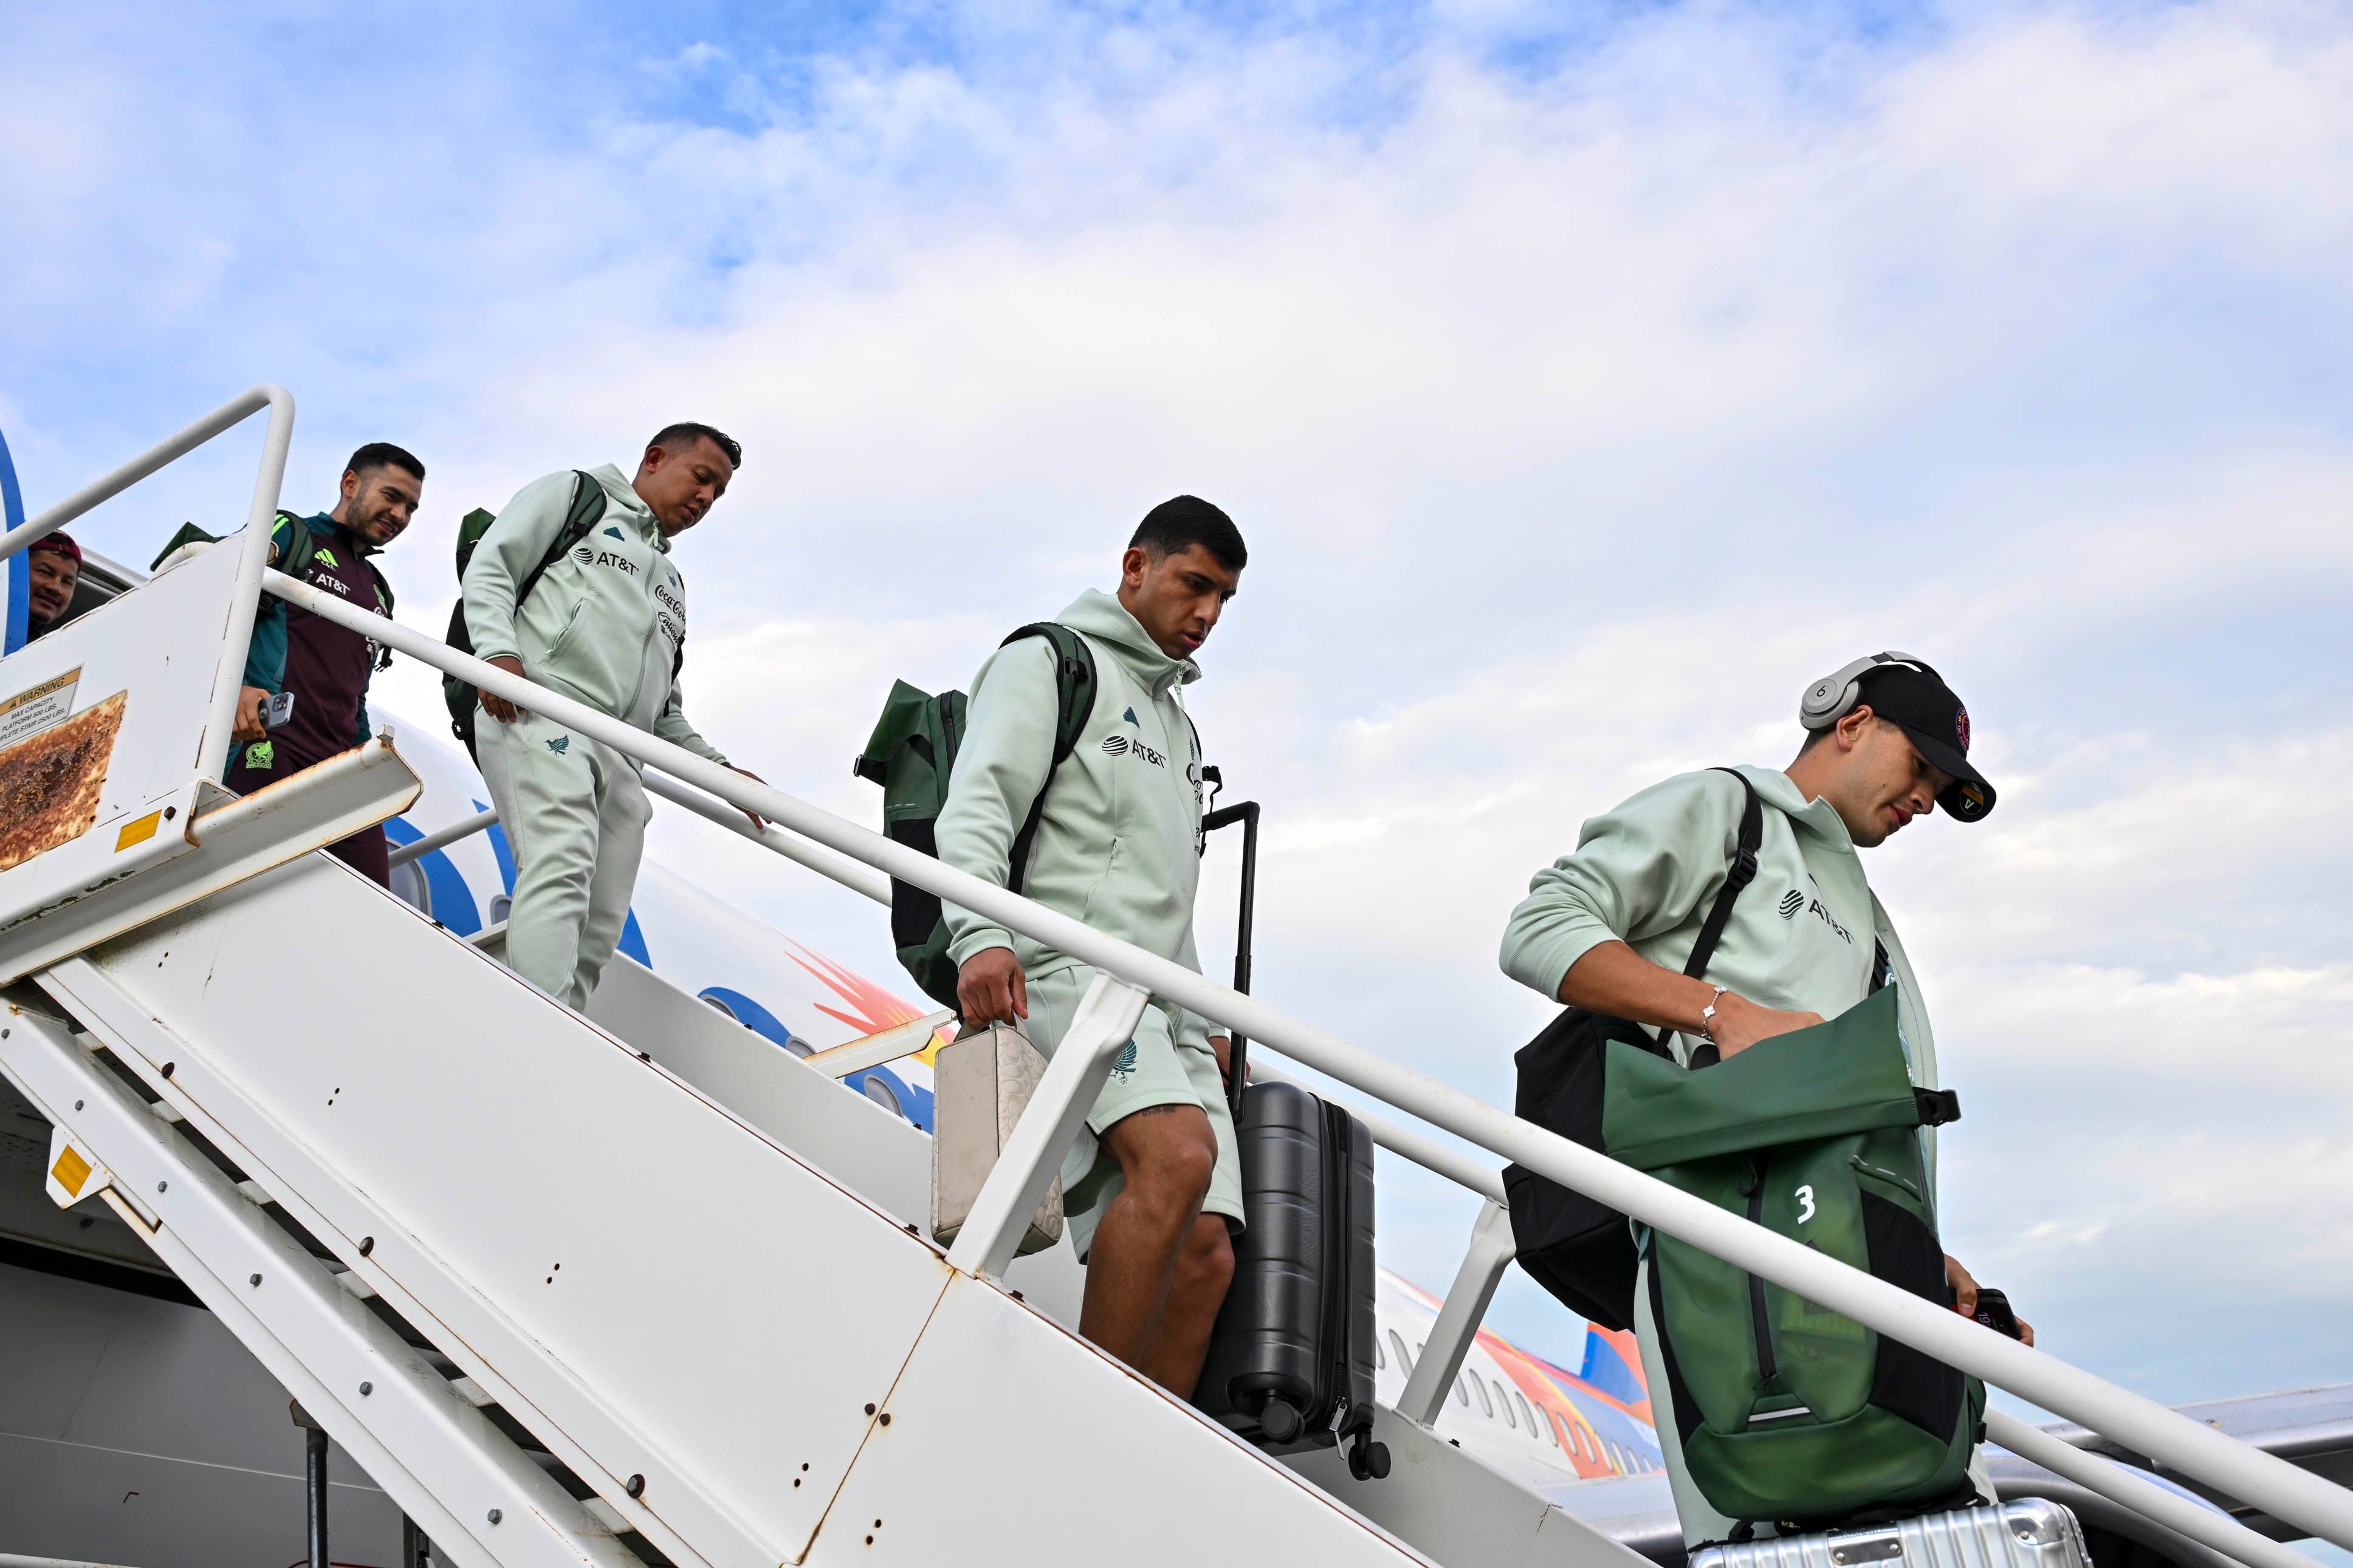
1645,873
603,624
1119,845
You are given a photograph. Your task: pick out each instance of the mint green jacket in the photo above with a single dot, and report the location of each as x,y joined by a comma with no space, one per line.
1646,872
1119,845
605,622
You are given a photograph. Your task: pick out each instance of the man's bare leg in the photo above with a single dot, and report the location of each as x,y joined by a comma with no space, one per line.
1205,1267
1167,1153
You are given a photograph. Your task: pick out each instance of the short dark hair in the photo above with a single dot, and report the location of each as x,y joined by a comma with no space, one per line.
1816,737
1182,522
689,431
384,455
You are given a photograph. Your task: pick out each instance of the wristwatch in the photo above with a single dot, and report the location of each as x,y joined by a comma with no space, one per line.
1707,1015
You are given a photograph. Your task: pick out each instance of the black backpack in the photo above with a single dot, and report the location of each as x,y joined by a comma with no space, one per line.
1578,1249
911,754
587,505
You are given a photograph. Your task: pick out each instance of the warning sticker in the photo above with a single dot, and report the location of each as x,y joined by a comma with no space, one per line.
49,782
28,713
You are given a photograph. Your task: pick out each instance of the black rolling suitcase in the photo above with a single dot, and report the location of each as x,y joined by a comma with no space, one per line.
1291,1358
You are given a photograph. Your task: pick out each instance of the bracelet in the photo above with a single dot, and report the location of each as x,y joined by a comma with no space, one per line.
1707,1015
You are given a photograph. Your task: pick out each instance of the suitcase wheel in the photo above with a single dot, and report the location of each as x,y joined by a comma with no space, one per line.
1280,1421
1369,1460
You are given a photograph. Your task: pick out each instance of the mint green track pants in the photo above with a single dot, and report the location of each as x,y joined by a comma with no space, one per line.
575,813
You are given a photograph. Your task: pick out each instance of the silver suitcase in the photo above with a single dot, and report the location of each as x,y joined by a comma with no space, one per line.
2028,1533
980,1085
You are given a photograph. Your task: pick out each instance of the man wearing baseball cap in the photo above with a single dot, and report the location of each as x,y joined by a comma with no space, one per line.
1612,927
53,563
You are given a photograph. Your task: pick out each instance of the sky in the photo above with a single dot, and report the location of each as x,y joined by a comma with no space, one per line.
1587,380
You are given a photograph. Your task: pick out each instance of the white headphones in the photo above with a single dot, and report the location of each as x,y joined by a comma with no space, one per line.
1829,699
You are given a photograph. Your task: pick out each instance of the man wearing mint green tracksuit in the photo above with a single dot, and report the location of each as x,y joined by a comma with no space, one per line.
604,625
1154,1181
1610,927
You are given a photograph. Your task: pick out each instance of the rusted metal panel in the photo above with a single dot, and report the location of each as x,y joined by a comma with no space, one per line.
49,783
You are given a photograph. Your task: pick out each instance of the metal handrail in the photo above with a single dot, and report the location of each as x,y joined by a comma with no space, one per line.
442,838
2129,1487
268,480
169,449
2307,1501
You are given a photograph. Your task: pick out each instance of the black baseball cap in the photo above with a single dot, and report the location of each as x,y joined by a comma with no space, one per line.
1916,699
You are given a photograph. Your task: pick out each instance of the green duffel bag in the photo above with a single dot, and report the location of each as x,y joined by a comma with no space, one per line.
1785,1410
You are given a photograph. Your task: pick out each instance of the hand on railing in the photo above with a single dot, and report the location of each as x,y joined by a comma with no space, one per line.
496,706
759,823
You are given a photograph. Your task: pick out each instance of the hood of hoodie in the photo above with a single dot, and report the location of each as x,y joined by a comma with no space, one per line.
1100,615
624,494
1817,818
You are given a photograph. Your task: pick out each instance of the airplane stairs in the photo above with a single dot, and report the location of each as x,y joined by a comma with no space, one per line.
636,1288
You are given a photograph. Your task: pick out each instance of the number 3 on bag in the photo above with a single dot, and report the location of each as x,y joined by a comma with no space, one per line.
1805,1204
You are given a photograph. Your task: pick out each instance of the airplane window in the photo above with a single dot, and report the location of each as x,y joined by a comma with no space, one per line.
1461,1394
1485,1403
408,885
1504,1400
500,907
880,1093
1526,1414
1404,1361
1618,1458
723,1007
1550,1430
1380,1356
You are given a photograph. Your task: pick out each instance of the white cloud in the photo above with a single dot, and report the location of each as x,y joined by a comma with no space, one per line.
1577,415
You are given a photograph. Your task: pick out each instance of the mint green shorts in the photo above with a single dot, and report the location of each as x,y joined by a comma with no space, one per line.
1152,1069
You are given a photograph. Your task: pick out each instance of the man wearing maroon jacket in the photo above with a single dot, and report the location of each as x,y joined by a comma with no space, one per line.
322,667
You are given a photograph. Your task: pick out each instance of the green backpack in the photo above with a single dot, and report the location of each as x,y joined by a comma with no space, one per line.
587,505
1786,1410
911,754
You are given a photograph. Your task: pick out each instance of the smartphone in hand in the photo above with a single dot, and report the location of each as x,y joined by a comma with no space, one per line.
1993,1312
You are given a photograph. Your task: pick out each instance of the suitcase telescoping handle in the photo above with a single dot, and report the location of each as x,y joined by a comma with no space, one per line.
1245,813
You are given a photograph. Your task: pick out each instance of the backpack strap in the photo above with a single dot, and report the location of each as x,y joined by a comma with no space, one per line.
301,560
587,506
300,563
1743,871
1075,700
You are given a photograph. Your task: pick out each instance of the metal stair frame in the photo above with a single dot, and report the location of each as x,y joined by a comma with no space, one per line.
437,1456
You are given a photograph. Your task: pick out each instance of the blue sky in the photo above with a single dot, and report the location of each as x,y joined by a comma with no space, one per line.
1587,380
